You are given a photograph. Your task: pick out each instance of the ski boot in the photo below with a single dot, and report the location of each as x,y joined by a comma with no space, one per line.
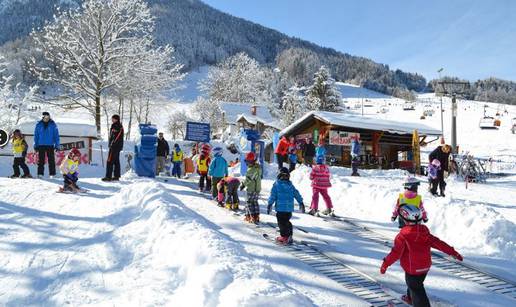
255,218
27,176
312,211
282,240
248,218
14,176
234,207
407,299
329,212
229,206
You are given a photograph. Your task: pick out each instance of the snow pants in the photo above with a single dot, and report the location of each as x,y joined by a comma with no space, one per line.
325,196
214,189
113,163
252,208
416,290
176,169
309,161
203,178
18,163
47,151
232,193
354,166
160,164
439,182
280,159
70,180
284,224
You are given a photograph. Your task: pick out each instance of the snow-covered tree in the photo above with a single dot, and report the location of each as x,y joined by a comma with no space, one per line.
177,124
293,106
239,78
208,111
91,49
322,95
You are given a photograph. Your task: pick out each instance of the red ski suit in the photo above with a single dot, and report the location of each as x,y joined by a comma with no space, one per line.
412,245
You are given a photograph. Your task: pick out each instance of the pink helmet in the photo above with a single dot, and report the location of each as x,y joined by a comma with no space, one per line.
436,162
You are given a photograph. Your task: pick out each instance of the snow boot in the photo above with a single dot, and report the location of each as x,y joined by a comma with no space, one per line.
106,179
27,176
282,240
248,218
407,299
14,176
234,207
40,176
115,179
229,206
328,212
312,211
255,218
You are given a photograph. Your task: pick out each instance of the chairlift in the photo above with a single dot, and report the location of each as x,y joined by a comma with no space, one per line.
428,110
409,106
384,110
488,122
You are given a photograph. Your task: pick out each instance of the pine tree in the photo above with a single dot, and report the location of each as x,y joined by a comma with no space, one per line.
292,106
322,95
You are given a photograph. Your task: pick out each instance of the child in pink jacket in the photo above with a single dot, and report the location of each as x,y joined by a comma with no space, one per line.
320,177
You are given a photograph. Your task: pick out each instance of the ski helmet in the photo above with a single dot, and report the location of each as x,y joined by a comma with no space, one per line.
75,152
319,159
284,174
436,162
410,214
250,157
206,148
217,151
411,183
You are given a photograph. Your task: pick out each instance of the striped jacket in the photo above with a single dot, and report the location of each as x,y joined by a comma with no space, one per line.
320,176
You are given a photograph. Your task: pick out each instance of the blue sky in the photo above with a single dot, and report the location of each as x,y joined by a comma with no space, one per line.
471,39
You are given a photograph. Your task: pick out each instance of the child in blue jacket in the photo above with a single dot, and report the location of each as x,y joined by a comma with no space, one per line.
217,171
283,194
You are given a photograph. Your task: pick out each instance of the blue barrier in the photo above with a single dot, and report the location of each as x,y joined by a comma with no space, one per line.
145,152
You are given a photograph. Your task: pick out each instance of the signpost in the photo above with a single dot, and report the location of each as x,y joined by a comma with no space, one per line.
198,132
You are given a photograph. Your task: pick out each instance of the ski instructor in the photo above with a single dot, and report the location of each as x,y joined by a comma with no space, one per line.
116,144
46,142
441,153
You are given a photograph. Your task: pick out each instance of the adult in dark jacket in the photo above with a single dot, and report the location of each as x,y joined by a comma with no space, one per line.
162,153
46,142
116,144
441,153
309,152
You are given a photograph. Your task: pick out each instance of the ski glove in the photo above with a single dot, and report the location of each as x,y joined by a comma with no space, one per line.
383,268
393,218
302,207
269,209
458,256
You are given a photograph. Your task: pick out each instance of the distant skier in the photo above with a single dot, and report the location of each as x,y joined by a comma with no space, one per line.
115,144
228,186
253,185
320,177
281,152
309,152
19,152
218,169
409,198
70,170
282,195
355,156
413,247
292,154
320,150
441,153
177,160
433,175
46,142
203,163
162,153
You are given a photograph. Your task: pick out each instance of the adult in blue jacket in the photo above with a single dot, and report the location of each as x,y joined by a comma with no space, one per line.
355,154
282,195
218,170
46,142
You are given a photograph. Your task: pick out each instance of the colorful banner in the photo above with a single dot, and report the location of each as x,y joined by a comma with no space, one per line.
342,138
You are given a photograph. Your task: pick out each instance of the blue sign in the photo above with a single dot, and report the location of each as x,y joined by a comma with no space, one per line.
197,132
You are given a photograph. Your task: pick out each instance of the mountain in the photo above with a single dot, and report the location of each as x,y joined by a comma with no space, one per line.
203,35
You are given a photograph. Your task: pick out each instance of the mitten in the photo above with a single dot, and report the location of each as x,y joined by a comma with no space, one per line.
393,218
302,207
269,209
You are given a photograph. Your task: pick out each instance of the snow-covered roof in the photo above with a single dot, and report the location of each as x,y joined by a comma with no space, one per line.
361,122
255,119
65,129
234,110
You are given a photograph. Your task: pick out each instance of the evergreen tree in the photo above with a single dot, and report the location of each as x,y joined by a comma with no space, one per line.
292,106
322,95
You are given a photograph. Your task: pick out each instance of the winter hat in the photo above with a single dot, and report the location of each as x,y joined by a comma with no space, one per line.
436,162
116,116
319,159
45,113
217,151
251,157
284,174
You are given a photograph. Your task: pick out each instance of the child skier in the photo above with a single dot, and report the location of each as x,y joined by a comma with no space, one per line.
218,169
20,152
409,197
253,185
177,160
320,177
433,178
292,154
229,186
203,163
413,247
282,195
70,170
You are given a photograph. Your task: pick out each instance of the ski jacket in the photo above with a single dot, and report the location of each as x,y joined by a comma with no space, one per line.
320,151
283,194
19,148
253,179
413,246
177,155
202,165
409,198
116,136
432,171
355,148
69,167
441,156
46,134
309,150
218,167
163,148
320,176
282,148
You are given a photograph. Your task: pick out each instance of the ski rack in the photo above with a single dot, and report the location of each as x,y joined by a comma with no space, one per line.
465,271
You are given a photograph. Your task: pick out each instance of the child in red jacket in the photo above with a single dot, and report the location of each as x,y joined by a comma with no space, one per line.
320,177
413,246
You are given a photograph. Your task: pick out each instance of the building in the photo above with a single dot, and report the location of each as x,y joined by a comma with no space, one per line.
385,143
248,116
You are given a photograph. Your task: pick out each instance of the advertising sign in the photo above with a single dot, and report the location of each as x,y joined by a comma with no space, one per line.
342,138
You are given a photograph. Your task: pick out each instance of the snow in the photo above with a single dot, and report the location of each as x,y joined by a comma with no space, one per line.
348,90
234,110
